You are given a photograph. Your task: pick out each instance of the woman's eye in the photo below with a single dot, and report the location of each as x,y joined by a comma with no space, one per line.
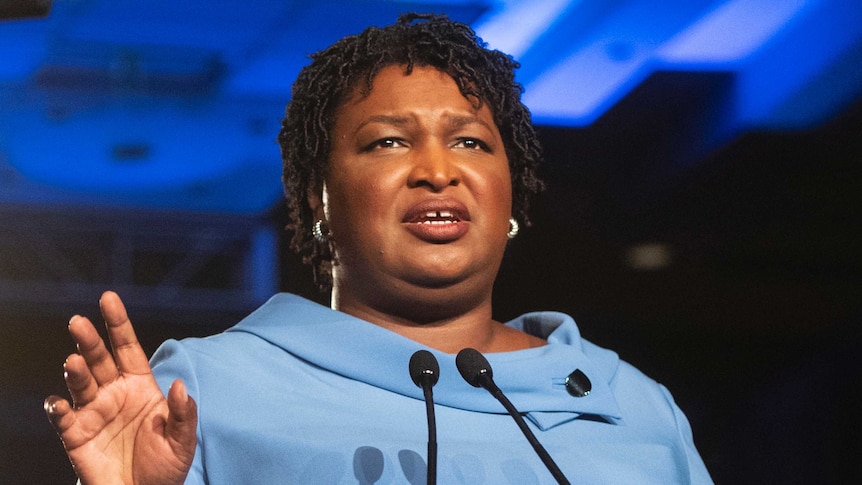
384,143
472,144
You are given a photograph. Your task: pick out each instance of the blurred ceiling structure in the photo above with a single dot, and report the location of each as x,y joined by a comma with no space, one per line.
175,105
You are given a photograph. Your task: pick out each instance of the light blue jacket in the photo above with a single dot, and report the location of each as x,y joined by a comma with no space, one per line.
298,393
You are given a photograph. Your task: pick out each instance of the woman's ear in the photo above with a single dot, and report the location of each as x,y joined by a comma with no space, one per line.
316,202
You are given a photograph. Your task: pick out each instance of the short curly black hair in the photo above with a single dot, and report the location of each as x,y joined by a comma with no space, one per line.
335,74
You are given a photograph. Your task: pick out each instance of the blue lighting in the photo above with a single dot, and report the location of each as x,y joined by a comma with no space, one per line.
176,105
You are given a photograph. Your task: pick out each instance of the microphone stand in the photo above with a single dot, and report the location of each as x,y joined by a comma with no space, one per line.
476,370
488,383
432,436
425,371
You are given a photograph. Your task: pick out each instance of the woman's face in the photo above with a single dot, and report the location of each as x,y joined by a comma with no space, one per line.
417,194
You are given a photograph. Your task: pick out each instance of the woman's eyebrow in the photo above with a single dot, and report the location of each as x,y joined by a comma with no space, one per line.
385,119
451,120
459,121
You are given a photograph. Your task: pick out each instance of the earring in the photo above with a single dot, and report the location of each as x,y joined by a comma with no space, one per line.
320,232
513,228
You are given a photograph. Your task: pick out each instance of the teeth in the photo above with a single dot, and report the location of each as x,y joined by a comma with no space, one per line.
436,215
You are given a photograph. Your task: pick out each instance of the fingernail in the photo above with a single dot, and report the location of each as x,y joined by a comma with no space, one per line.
184,395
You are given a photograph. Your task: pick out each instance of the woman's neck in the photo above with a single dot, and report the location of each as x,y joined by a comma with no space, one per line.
450,333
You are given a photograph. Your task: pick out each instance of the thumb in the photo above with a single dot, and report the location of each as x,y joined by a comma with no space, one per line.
180,430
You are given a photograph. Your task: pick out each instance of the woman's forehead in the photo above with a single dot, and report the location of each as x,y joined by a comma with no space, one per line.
395,93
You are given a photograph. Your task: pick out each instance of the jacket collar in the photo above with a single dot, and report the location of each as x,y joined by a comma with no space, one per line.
533,379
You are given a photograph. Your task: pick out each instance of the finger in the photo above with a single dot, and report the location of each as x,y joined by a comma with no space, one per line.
60,414
128,353
64,419
92,349
80,381
182,421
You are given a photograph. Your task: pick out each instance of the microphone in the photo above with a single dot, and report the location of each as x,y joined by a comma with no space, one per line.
476,370
425,371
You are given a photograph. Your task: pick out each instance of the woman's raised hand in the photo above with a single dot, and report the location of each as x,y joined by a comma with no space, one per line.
119,428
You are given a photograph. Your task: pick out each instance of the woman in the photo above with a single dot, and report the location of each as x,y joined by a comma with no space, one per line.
409,159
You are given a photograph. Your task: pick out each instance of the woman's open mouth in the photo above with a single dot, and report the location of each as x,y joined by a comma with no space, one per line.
438,220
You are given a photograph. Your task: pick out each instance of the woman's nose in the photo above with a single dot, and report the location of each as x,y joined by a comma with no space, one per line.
433,167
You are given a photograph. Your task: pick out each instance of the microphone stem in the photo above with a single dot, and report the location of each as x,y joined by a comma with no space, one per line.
432,436
489,384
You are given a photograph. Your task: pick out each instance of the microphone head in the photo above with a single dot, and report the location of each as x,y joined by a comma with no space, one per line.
424,369
473,366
